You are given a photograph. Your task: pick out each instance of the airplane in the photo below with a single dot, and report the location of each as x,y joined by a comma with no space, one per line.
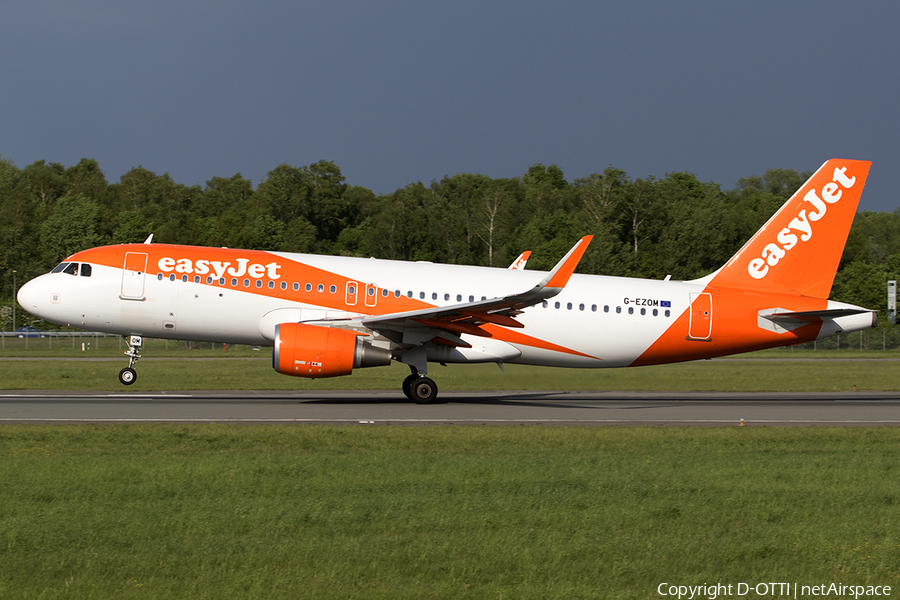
327,315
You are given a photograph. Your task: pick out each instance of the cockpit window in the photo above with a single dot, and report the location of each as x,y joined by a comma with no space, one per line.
71,269
60,267
85,270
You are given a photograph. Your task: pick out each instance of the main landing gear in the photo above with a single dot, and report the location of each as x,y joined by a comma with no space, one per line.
128,375
420,389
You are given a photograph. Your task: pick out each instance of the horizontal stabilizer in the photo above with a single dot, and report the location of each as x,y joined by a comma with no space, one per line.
814,316
781,320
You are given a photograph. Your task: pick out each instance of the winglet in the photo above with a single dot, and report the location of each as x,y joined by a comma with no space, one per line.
519,263
559,276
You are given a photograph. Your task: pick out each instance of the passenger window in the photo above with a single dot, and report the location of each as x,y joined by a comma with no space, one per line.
85,270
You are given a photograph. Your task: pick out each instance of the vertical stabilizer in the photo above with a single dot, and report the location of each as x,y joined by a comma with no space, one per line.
799,248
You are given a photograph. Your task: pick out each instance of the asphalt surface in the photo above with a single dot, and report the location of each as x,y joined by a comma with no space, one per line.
500,408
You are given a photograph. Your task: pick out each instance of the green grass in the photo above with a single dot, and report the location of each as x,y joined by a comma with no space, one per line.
238,372
440,512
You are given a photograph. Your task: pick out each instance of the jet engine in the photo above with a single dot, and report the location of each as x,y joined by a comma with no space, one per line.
311,351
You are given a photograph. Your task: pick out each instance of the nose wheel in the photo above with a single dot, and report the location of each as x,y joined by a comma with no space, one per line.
128,375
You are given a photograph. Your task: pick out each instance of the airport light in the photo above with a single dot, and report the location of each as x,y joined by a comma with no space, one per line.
14,300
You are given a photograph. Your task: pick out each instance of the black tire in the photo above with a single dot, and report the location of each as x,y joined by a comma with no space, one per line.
407,385
127,376
423,390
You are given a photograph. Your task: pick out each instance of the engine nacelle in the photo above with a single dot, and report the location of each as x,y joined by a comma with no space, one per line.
312,351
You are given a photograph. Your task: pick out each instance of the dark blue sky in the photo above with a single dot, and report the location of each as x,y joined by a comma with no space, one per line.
396,92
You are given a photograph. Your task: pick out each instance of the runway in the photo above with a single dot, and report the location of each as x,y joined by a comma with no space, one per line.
382,407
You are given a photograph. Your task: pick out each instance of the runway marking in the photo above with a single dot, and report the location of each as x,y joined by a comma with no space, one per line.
735,422
70,396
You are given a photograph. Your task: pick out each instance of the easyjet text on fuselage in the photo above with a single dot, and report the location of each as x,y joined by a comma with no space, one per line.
220,269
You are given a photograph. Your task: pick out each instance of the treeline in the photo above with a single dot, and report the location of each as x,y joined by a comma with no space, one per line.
648,227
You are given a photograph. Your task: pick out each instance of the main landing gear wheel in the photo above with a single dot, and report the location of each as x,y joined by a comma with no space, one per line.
127,376
407,384
423,390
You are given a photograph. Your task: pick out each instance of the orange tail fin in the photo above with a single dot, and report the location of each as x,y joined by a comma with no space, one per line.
799,248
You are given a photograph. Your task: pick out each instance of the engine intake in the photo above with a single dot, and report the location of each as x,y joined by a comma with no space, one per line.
312,351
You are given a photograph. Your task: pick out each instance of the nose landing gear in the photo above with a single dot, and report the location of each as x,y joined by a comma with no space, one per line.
128,375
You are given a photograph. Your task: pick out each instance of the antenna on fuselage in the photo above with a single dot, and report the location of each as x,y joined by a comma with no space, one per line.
149,239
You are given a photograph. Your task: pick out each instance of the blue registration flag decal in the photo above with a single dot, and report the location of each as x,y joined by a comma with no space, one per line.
665,304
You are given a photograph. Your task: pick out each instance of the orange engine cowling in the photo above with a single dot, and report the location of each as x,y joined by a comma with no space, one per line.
312,351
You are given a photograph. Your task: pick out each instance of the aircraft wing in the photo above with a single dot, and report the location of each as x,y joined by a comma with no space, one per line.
446,323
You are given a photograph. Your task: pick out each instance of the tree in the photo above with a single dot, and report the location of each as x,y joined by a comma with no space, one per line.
43,182
72,226
544,189
144,203
862,284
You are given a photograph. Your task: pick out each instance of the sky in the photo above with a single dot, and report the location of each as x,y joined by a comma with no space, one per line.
399,91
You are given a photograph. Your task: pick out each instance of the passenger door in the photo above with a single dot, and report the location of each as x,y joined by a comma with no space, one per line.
133,276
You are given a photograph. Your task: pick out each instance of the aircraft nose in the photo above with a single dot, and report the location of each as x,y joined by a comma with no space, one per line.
30,296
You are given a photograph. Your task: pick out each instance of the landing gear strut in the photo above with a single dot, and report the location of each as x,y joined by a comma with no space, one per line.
128,375
419,389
